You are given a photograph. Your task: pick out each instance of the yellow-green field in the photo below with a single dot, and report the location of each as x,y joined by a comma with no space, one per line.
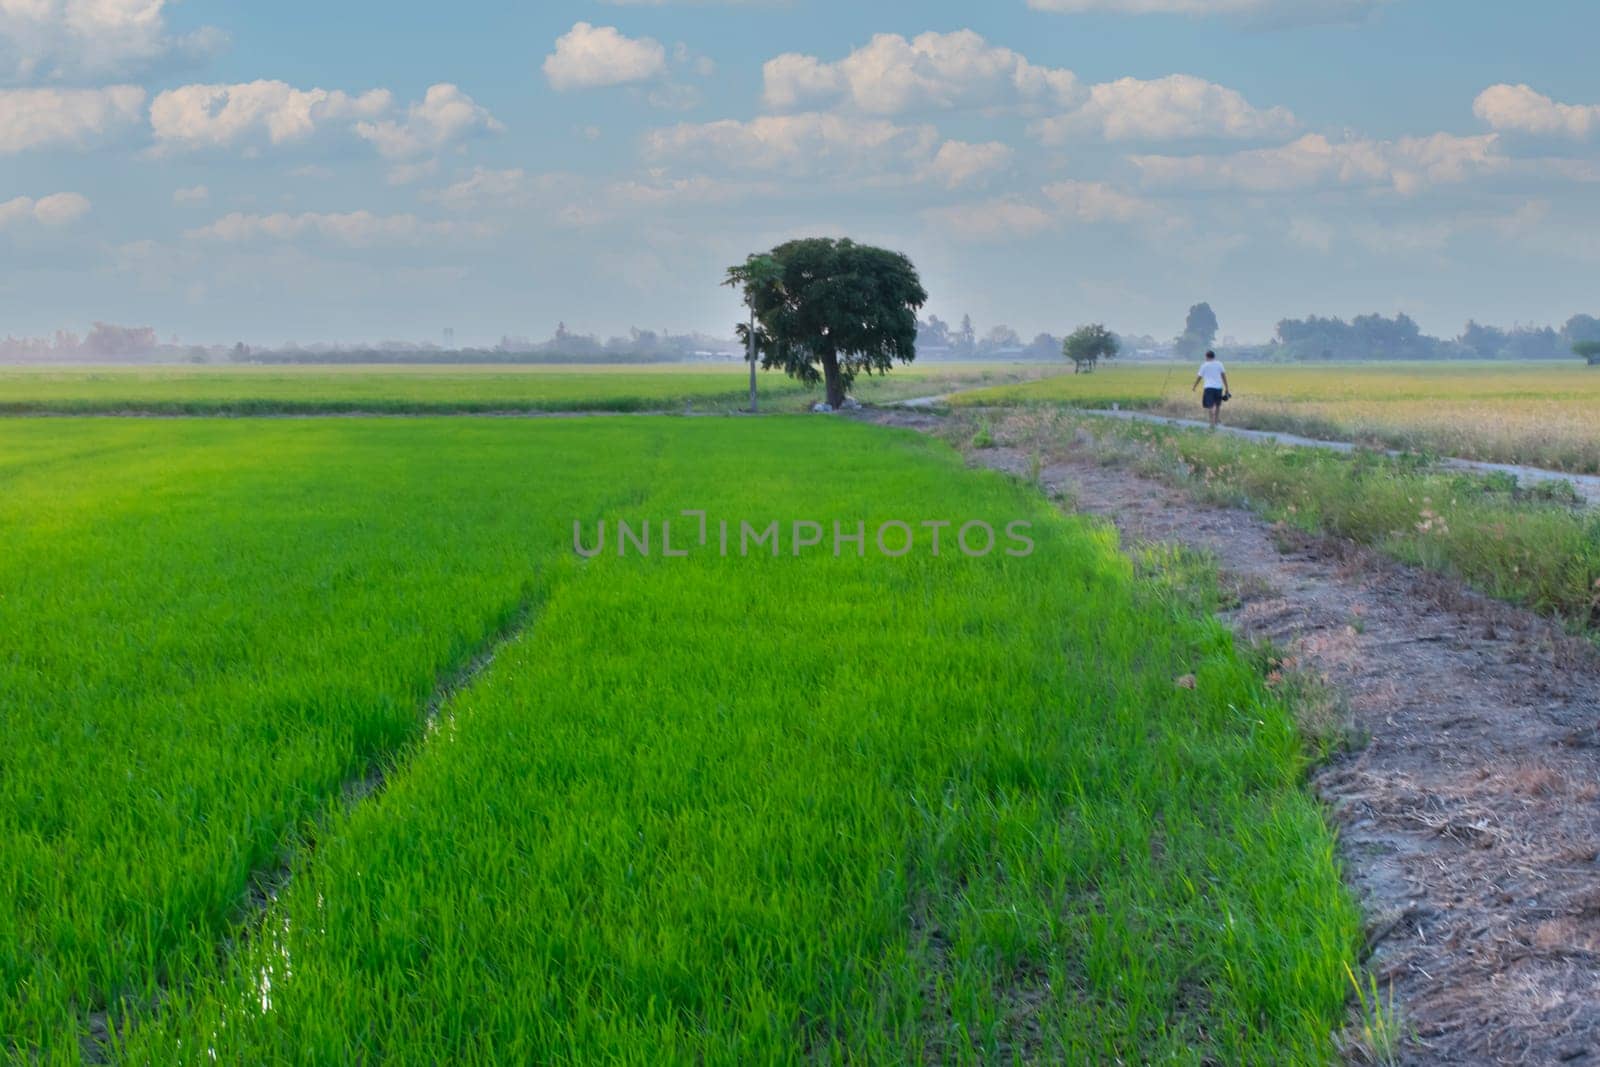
1537,413
185,390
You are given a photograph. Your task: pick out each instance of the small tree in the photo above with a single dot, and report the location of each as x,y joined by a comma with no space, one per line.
1088,345
1199,331
828,310
1590,351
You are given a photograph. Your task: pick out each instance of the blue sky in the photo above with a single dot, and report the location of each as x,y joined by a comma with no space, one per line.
276,172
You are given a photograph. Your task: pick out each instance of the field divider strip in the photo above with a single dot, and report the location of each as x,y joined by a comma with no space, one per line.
98,1044
1586,485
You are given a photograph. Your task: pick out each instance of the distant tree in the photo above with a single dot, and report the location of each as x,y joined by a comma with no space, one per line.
1589,350
1088,345
1364,337
967,339
1580,328
1485,342
1199,331
1002,337
1533,342
832,310
1044,346
935,333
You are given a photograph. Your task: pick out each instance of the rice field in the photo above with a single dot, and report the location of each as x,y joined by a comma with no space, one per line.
258,390
1536,414
265,795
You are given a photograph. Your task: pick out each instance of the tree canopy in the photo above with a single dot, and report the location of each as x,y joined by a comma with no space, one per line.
1590,351
1088,345
827,310
1199,331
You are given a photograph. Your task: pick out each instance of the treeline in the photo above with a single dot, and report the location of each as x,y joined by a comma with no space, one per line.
937,339
1374,337
103,342
564,346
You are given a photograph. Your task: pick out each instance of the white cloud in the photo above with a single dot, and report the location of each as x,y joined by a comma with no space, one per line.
1273,10
41,118
221,116
1171,108
1520,109
593,57
76,39
933,71
804,143
194,194
444,116
484,187
1407,165
1004,219
353,228
960,163
1065,203
57,209
575,200
1080,201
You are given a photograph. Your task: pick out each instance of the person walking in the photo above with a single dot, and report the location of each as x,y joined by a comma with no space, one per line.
1215,378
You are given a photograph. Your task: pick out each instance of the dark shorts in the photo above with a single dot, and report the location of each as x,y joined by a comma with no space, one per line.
1212,399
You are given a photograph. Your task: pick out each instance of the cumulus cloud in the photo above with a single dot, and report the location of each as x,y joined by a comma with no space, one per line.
57,209
41,118
804,143
1289,11
222,116
1003,219
594,57
1407,165
354,228
891,75
193,194
445,116
1172,108
1097,202
960,163
484,187
572,200
1521,109
253,114
80,39
1063,204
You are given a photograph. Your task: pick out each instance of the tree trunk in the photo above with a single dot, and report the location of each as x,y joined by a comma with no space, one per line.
832,379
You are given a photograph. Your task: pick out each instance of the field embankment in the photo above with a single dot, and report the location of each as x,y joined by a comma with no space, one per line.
772,809
1535,546
420,390
1535,414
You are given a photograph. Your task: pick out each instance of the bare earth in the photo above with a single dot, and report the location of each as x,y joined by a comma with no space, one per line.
1470,819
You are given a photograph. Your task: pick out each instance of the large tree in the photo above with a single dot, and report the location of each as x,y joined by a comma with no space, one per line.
1589,351
831,310
1199,331
1088,345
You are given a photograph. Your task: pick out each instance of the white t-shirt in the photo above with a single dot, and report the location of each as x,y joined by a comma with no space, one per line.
1211,372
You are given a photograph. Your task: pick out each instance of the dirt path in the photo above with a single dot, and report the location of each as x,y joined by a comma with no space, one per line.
1470,821
1587,486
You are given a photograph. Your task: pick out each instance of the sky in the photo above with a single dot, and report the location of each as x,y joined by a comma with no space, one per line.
362,171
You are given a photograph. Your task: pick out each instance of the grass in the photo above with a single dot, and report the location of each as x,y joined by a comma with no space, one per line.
1535,548
768,809
249,390
1536,414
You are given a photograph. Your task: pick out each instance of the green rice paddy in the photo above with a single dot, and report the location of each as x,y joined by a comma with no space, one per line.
260,390
760,808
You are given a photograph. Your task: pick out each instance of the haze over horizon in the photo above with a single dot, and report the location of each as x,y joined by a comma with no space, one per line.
272,173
